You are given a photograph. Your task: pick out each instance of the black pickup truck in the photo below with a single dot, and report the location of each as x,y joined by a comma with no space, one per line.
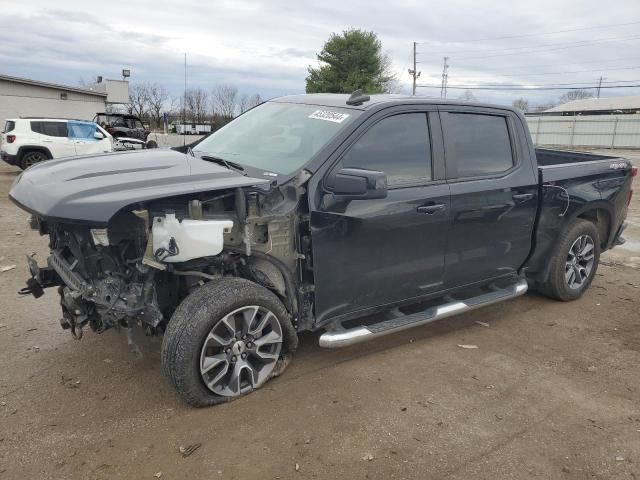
356,215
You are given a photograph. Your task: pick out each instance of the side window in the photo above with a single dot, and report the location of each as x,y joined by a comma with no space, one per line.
82,130
50,129
9,126
398,146
138,124
476,144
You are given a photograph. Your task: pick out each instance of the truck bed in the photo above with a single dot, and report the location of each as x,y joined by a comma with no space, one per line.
549,157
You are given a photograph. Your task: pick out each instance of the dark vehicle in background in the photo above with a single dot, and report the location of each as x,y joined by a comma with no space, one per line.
122,125
354,215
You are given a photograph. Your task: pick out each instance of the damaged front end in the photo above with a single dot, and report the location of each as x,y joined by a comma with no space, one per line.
102,280
137,269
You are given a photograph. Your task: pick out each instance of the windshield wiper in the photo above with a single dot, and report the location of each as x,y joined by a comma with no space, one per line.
225,163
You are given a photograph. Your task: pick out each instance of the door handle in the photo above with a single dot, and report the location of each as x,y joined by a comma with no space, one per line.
522,197
430,209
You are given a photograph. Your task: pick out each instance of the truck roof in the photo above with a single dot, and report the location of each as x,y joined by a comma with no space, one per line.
340,100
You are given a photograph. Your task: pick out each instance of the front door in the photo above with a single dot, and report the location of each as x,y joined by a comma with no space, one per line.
82,134
494,195
376,252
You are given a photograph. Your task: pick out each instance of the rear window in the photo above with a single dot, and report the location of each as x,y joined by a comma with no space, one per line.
9,126
51,129
476,145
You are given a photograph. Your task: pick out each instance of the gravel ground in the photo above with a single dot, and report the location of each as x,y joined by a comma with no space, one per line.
552,391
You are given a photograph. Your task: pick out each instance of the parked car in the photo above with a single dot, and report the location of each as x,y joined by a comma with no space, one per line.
122,125
360,216
27,141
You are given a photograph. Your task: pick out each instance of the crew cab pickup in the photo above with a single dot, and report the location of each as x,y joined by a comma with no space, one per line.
358,216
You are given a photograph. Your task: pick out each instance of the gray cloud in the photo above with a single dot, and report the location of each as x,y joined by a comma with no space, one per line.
266,47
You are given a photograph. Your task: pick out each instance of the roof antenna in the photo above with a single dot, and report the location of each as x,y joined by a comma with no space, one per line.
358,98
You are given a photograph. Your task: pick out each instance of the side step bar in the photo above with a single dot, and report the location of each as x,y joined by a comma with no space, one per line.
342,337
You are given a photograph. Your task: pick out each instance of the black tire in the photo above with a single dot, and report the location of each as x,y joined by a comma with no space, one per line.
31,157
151,144
557,286
195,318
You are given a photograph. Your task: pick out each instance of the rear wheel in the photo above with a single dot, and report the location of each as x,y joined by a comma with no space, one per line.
225,340
31,157
575,262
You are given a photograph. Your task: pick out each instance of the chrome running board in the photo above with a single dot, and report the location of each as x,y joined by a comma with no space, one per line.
342,337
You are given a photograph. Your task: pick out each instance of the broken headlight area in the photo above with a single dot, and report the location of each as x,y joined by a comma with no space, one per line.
136,269
103,282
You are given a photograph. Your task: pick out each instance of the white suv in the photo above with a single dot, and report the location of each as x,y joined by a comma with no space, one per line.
26,141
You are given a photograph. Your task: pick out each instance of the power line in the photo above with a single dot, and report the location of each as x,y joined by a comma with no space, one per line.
585,44
564,64
544,33
525,87
569,84
575,71
554,44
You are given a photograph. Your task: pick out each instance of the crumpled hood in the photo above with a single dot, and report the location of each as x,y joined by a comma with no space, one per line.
93,188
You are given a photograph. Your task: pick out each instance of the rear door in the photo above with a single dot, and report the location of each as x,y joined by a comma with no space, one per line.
53,135
375,252
493,194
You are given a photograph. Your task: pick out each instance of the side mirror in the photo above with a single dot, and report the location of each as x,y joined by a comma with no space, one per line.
357,184
98,135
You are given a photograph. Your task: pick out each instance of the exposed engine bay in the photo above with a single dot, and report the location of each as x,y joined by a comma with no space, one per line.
137,269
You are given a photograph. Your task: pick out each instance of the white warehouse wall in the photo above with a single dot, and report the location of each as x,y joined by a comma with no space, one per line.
24,100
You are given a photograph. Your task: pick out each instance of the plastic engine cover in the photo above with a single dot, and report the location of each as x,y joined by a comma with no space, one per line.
191,238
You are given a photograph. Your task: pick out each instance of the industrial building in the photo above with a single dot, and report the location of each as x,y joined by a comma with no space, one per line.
596,106
22,97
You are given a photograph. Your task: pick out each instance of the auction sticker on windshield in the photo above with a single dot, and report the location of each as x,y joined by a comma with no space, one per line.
329,116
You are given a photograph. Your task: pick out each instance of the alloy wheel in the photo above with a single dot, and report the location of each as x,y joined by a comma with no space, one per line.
241,351
579,262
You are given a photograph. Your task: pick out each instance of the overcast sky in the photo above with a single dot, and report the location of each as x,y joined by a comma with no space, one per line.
265,46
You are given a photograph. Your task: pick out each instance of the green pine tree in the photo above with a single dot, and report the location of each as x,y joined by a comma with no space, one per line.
350,61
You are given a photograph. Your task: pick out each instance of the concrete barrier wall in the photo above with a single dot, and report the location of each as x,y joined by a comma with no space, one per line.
602,131
172,139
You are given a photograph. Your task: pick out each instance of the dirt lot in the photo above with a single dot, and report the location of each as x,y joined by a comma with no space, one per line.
553,391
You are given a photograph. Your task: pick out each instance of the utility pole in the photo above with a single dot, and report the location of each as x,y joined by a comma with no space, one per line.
413,72
184,103
445,76
599,87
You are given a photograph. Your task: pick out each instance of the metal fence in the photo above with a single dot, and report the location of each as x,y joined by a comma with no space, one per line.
602,131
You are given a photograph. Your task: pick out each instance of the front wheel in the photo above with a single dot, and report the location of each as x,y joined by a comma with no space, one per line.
575,262
225,340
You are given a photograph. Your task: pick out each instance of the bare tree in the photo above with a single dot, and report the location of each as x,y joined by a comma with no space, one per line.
542,107
158,96
197,103
521,104
256,100
139,99
225,99
247,102
574,95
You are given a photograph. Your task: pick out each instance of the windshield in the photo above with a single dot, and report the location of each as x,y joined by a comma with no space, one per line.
110,120
276,137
